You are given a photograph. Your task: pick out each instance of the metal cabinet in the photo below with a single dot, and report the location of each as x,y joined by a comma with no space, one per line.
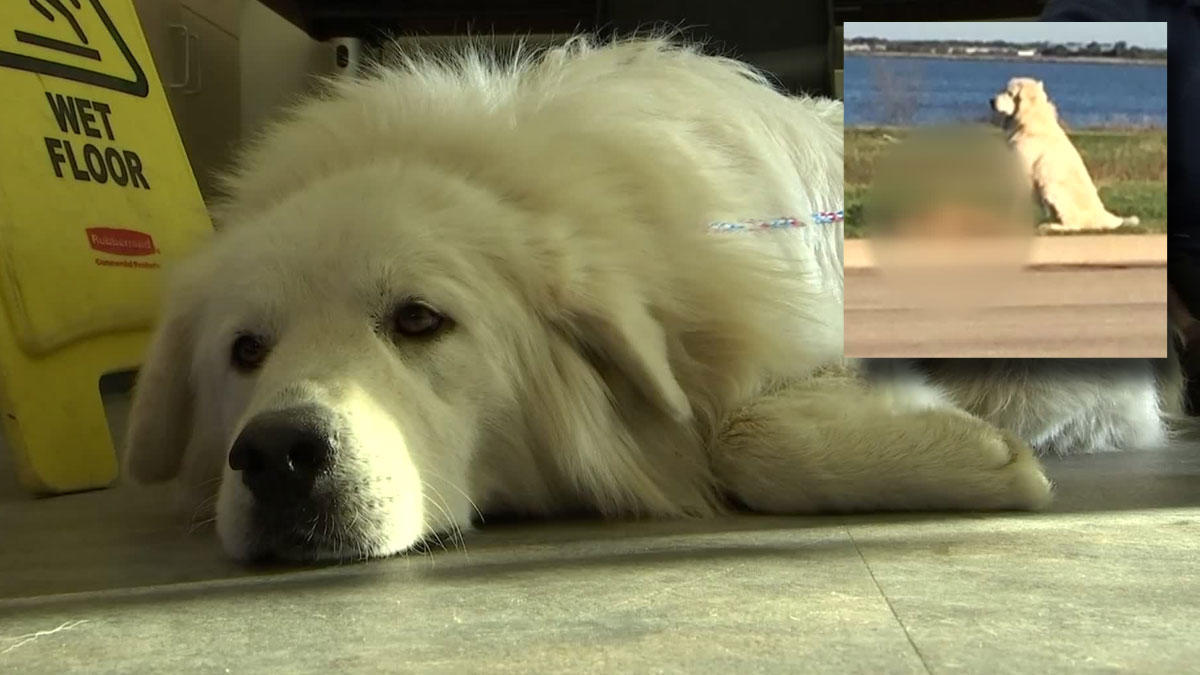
195,48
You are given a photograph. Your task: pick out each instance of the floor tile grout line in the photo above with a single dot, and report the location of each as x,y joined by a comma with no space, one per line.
887,600
140,590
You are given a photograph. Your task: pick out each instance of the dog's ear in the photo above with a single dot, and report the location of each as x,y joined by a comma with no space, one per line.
618,335
160,419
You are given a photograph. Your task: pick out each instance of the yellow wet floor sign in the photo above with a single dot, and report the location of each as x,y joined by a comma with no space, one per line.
96,199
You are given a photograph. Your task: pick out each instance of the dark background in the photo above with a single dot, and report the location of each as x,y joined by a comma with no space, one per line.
795,40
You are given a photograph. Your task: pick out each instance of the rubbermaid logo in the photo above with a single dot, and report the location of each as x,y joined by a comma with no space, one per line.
120,242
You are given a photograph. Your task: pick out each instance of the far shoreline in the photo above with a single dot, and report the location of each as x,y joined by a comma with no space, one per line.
1114,60
1090,128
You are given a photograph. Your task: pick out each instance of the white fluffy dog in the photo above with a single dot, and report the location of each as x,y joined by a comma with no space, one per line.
458,285
1059,176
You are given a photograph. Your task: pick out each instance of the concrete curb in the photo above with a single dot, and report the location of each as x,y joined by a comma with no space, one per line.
1087,250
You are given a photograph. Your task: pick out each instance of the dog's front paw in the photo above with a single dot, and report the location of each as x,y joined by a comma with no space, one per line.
1022,484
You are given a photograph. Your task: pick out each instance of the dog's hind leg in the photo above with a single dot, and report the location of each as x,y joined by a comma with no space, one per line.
836,443
1055,223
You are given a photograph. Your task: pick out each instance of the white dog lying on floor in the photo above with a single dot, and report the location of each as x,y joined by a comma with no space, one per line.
460,285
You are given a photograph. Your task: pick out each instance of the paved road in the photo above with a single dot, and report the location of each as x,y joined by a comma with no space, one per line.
1082,249
1070,312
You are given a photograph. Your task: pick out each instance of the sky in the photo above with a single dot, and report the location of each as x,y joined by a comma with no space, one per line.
1151,35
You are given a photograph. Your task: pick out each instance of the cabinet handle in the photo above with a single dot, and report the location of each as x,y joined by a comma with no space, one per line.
187,56
199,65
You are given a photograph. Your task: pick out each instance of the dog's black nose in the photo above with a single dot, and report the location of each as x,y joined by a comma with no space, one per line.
281,453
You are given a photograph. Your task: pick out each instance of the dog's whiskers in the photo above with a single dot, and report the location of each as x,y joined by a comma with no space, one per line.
434,532
460,491
199,524
203,514
438,501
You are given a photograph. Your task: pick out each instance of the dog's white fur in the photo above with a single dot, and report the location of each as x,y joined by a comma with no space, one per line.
607,353
1061,406
1059,176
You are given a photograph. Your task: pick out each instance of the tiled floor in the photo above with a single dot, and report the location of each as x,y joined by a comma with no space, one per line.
1108,580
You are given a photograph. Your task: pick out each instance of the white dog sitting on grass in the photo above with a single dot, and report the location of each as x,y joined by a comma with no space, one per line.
1058,173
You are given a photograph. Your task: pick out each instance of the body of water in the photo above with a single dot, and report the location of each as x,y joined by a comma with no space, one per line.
904,91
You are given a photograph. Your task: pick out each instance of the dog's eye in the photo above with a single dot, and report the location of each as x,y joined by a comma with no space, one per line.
417,319
248,352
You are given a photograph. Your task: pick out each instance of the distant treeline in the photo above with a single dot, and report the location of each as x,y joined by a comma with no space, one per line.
1119,50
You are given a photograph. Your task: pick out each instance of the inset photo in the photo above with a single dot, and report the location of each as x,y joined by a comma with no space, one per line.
1006,189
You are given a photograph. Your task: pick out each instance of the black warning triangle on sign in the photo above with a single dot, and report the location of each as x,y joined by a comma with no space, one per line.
64,10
